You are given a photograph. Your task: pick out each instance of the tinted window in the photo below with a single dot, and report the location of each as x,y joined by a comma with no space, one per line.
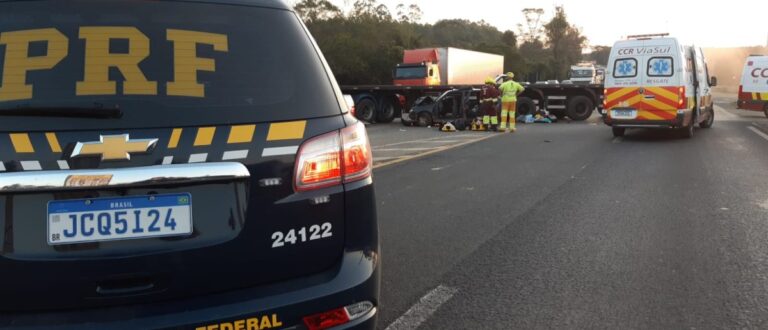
182,63
411,72
660,67
625,68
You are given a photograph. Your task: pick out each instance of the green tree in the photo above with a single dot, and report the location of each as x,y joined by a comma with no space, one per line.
599,54
370,9
565,41
317,10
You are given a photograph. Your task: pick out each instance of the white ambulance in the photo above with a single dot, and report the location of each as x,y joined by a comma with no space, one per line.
753,91
654,81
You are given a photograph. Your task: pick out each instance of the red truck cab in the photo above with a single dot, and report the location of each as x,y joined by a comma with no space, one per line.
420,67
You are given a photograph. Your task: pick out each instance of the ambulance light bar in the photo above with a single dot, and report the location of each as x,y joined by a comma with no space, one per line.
647,36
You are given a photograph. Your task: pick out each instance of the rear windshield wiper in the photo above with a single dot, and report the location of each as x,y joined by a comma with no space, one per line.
96,111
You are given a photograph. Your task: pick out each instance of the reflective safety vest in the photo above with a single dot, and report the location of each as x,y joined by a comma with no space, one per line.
509,91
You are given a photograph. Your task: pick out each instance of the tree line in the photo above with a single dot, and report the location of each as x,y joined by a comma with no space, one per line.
363,44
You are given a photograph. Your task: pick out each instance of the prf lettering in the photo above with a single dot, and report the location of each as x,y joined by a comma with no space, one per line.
99,60
254,323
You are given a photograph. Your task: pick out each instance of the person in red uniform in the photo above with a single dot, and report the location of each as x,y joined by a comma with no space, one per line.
489,95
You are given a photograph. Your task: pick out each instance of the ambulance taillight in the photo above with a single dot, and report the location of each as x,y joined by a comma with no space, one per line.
682,101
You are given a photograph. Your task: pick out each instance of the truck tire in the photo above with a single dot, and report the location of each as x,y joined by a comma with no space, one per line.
424,119
580,108
366,110
765,110
619,131
525,106
386,113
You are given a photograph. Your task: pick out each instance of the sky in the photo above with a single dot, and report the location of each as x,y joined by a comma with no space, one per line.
705,23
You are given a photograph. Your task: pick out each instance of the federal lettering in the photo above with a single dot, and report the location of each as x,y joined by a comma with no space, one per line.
99,60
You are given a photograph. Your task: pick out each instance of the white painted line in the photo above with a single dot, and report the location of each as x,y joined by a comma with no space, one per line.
2,167
467,136
617,139
198,158
282,151
31,165
377,159
758,132
724,114
63,164
237,154
167,160
423,309
434,151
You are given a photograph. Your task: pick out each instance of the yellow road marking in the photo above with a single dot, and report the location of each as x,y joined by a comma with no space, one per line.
287,131
437,150
175,137
241,134
53,141
21,143
204,136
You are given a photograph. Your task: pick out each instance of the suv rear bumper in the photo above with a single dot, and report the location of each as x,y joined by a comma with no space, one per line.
354,279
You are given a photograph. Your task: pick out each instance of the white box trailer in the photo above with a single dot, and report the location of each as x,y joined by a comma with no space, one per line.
466,67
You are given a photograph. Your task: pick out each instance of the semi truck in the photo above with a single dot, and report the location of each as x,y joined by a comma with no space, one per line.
430,72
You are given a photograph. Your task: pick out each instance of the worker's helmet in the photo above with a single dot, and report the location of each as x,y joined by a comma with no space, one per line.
510,75
490,81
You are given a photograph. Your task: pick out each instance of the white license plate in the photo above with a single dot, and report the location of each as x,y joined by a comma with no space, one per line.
119,218
624,114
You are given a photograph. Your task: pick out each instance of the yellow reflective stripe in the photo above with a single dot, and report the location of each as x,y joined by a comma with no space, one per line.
287,131
53,142
241,134
204,136
659,105
175,137
664,93
617,94
650,115
634,100
21,143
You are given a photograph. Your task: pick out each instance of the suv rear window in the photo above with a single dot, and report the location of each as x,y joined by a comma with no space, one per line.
180,62
625,68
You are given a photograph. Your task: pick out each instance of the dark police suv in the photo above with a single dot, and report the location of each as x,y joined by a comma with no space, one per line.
178,164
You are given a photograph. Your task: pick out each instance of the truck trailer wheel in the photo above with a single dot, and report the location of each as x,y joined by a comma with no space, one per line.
386,113
366,110
580,108
525,106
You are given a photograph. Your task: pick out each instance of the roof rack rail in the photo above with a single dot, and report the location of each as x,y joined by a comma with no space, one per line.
647,36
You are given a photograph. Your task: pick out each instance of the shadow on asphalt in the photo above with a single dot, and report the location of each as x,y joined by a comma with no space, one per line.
657,135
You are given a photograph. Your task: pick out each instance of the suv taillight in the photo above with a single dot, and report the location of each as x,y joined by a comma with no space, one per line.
332,158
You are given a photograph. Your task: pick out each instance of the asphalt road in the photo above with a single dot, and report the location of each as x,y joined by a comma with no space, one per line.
564,226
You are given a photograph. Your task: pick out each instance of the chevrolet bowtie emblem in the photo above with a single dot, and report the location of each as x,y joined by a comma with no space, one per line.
114,147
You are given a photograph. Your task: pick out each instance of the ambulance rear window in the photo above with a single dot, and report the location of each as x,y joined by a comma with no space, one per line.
625,68
661,67
163,62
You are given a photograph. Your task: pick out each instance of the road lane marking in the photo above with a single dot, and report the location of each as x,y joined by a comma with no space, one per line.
617,139
462,136
724,114
423,309
758,132
435,150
